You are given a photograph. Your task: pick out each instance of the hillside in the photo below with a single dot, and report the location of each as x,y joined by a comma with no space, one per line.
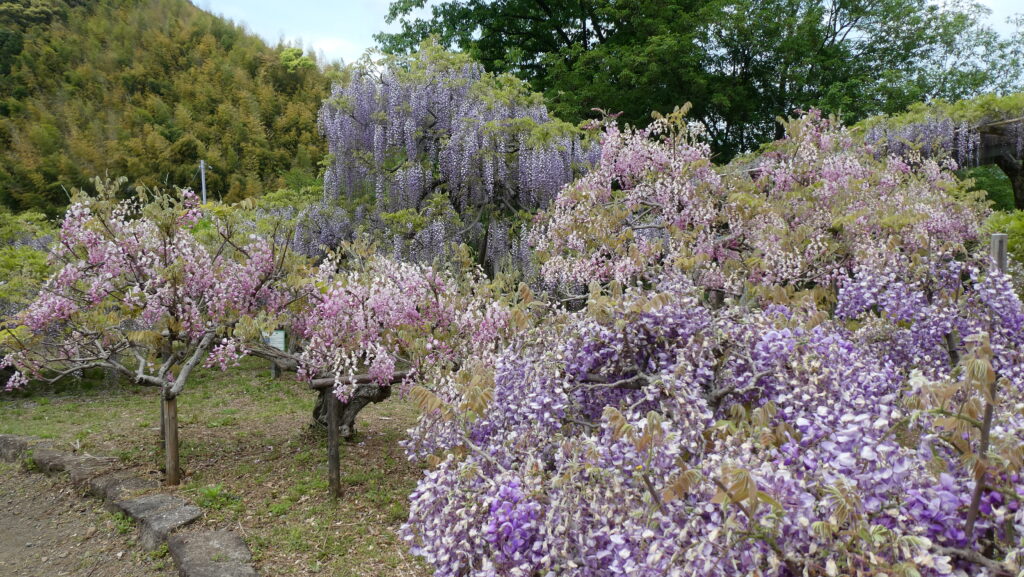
146,89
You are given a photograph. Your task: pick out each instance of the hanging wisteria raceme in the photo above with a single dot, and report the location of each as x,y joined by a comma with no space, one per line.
986,130
321,227
848,404
935,136
437,124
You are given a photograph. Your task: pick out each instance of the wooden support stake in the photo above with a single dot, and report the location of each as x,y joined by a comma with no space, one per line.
333,456
171,441
998,251
163,421
165,353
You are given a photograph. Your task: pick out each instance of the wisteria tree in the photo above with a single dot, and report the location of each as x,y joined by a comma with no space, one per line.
808,368
139,293
374,322
442,152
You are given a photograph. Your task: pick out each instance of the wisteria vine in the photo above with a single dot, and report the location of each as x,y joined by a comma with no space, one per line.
780,370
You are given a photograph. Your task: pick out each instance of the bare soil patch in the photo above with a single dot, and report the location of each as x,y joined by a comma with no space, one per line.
48,529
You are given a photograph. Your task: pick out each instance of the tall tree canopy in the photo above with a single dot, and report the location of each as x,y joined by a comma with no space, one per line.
744,62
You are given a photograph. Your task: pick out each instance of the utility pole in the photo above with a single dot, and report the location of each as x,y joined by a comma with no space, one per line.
202,177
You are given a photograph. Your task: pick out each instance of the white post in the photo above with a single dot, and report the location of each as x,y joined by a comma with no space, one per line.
278,340
202,177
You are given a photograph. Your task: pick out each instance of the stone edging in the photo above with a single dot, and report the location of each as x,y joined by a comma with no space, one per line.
158,515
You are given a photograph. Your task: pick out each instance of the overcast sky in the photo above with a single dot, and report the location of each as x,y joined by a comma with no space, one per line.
338,29
344,28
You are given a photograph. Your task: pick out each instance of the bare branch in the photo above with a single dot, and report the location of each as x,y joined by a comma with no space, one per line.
654,494
72,370
172,359
284,360
973,556
197,355
363,379
634,383
717,396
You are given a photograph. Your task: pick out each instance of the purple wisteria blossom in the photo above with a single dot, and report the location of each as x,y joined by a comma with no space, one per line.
788,376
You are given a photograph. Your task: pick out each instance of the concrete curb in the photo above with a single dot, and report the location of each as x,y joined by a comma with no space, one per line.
159,516
211,554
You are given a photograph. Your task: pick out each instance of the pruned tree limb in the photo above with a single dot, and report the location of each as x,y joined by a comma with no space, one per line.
362,379
634,383
284,360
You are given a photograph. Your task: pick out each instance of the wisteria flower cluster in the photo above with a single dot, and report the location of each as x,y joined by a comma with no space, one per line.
805,367
985,130
435,124
934,136
801,215
379,316
137,291
942,133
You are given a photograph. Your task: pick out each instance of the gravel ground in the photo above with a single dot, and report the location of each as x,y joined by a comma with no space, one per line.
48,528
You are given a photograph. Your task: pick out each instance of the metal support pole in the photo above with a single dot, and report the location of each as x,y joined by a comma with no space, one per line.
202,177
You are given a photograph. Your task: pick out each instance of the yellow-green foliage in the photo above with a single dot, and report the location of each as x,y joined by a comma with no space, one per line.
974,111
147,89
290,198
23,266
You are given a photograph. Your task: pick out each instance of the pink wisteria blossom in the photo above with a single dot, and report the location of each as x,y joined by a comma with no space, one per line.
136,291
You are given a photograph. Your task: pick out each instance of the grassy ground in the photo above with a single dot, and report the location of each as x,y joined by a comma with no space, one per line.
252,462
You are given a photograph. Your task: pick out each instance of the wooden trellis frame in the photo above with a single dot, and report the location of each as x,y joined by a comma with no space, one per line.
334,408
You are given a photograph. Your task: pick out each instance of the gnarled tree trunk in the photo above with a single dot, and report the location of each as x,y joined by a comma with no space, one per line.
364,395
366,391
1014,169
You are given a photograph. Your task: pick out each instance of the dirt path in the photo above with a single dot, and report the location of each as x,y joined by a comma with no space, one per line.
47,528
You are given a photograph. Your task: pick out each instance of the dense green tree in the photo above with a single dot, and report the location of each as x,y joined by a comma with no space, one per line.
147,89
24,239
850,58
580,53
742,62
